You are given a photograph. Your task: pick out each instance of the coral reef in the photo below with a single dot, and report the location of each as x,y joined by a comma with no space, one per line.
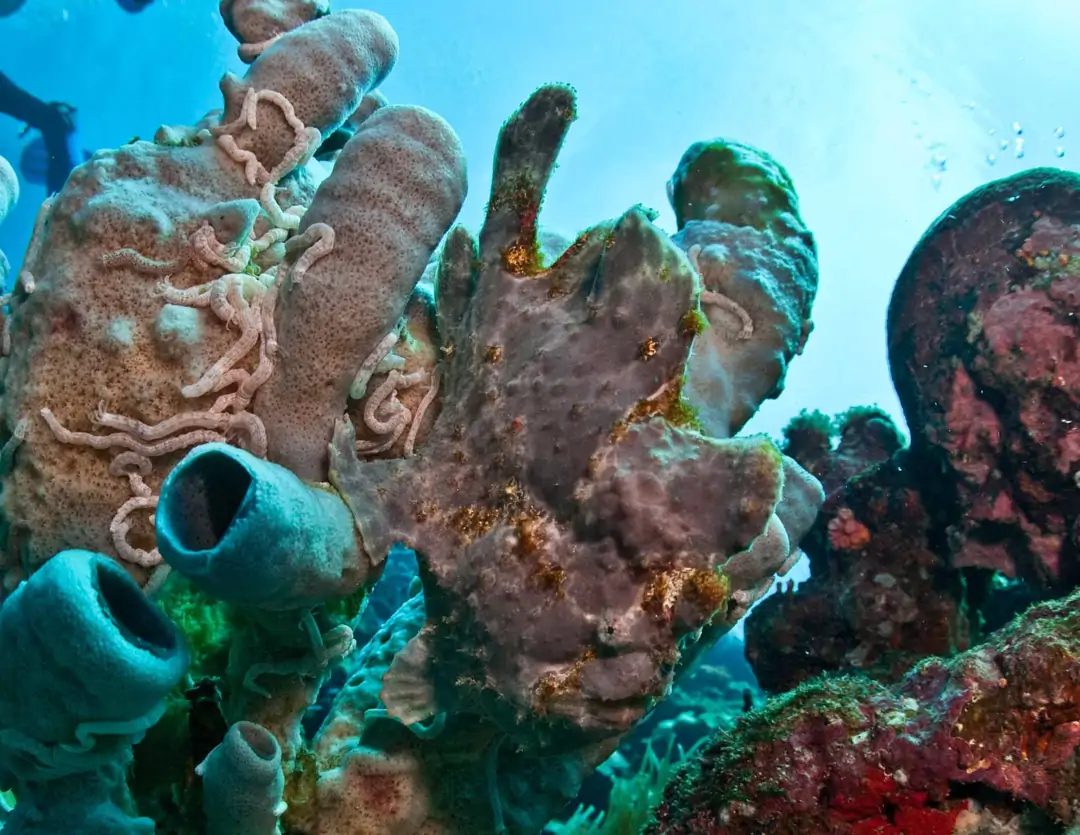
226,387
246,364
914,556
981,743
917,552
881,594
982,346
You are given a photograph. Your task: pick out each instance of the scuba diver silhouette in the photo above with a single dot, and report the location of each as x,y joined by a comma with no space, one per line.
55,121
9,7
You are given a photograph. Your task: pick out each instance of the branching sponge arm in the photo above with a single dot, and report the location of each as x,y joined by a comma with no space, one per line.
396,189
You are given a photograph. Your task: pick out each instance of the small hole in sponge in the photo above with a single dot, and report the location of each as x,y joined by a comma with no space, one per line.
258,739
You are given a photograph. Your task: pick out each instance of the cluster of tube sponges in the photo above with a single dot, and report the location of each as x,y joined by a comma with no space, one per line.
582,523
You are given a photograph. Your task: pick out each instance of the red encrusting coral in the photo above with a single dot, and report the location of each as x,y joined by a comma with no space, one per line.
848,756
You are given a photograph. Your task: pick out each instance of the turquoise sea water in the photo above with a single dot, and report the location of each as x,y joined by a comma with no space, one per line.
883,111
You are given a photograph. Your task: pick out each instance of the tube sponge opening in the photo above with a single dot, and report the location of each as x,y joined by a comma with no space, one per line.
259,741
243,783
88,660
125,603
208,499
250,532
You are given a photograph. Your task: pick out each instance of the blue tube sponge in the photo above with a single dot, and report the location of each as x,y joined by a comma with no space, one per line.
95,803
86,664
243,783
250,532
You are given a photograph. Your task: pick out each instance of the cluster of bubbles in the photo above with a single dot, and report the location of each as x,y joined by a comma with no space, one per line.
1012,144
1017,144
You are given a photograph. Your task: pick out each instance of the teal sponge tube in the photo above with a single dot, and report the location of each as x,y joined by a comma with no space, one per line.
87,804
243,783
86,664
250,532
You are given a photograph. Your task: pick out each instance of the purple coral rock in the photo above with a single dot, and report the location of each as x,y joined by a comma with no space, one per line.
847,755
880,597
983,350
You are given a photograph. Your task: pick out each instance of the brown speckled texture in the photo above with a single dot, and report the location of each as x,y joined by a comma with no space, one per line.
256,21
86,336
396,188
324,68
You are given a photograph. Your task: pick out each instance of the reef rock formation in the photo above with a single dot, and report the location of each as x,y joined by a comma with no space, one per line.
982,345
908,556
881,594
982,743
